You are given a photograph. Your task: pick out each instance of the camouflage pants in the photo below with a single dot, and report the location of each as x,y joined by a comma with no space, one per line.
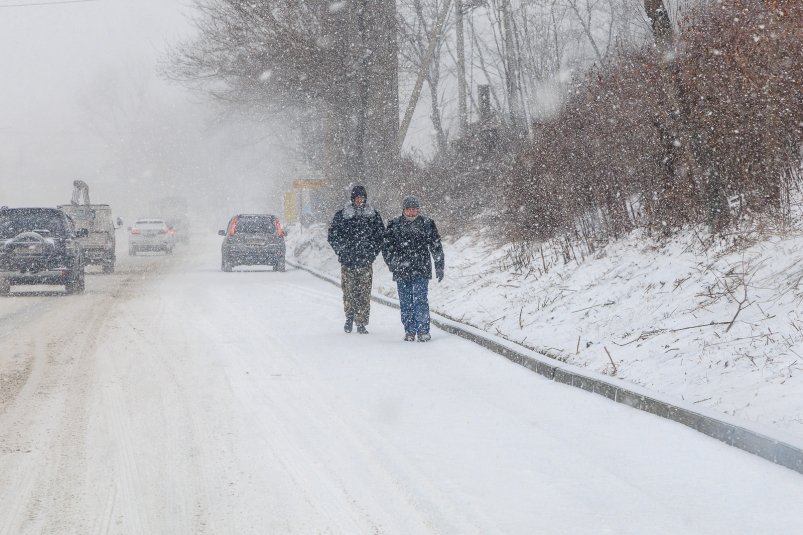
356,285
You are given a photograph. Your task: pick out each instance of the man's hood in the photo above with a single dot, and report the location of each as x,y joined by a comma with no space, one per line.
350,211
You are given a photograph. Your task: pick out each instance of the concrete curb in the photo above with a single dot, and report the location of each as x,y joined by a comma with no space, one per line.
718,426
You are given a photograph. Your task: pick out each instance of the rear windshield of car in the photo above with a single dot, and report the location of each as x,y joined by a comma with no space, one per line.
150,223
45,222
255,224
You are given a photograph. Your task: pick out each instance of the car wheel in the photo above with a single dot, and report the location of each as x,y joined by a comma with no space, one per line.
225,265
5,287
76,283
279,265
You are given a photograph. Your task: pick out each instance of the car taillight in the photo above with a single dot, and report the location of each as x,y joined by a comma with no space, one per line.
232,226
278,226
171,232
135,231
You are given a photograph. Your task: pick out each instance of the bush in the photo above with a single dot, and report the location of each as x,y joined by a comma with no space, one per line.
661,142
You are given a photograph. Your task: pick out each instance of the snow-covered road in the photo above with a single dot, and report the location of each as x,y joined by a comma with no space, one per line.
174,398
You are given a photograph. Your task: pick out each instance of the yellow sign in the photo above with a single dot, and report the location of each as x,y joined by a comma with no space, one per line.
290,207
310,184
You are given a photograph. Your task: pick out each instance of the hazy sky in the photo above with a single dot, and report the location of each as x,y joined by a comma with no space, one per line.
81,98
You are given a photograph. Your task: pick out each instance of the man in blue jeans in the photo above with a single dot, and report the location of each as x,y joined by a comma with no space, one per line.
410,240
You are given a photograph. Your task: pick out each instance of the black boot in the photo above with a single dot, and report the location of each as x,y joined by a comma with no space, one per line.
361,329
349,323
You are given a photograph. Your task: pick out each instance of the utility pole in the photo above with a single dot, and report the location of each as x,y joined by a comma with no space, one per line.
362,91
462,112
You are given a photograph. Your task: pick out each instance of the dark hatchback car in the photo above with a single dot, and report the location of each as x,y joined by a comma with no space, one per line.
39,246
253,239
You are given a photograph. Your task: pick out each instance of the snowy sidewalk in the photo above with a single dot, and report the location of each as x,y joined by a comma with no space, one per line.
661,314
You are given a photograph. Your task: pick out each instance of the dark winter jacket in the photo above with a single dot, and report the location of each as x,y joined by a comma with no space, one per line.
408,245
356,235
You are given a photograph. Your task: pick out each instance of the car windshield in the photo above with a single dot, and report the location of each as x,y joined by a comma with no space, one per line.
249,224
16,221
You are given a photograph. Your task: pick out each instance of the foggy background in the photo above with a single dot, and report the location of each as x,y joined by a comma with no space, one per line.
82,98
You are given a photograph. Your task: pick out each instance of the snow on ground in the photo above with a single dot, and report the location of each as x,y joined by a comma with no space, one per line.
718,326
174,398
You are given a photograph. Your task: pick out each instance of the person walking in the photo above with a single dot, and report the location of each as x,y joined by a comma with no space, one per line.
410,240
356,235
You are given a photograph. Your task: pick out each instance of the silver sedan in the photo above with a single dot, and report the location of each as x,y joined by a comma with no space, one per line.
151,235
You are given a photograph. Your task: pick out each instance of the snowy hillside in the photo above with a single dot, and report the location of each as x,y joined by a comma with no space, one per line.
712,324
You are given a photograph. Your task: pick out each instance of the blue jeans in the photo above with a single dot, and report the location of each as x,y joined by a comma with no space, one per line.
414,304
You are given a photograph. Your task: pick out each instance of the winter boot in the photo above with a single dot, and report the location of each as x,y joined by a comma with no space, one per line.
361,329
349,323
409,337
424,337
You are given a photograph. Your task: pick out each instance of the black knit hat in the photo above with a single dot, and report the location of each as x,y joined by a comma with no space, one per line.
358,191
411,201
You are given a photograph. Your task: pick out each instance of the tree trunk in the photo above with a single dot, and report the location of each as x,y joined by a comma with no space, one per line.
661,25
435,112
361,111
687,160
382,94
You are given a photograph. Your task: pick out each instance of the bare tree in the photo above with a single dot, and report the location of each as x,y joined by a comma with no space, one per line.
663,138
417,21
290,56
524,47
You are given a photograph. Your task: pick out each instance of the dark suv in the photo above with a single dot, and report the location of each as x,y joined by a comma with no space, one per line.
253,239
39,246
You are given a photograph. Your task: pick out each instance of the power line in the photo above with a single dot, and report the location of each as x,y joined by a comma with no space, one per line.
53,3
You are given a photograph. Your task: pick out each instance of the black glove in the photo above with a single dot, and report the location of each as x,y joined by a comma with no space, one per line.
439,274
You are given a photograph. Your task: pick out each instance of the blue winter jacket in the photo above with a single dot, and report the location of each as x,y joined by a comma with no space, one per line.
408,245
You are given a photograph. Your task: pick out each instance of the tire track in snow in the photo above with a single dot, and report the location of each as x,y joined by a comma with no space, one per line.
155,448
71,365
43,423
21,464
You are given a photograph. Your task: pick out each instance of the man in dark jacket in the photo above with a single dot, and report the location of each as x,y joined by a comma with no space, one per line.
409,242
356,236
